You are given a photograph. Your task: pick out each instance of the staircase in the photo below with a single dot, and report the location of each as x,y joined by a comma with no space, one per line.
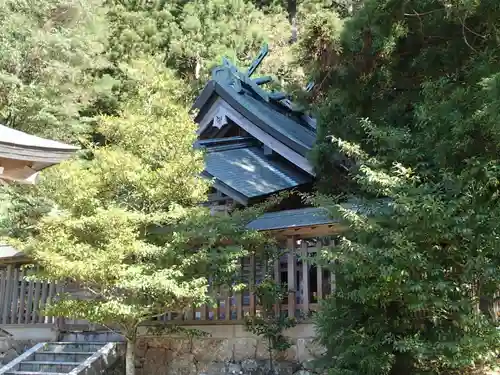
57,358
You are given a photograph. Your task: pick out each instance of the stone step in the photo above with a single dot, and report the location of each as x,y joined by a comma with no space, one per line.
92,337
58,347
62,356
47,366
33,373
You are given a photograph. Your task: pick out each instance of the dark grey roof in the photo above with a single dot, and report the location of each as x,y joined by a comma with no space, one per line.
17,145
250,173
288,129
301,217
311,216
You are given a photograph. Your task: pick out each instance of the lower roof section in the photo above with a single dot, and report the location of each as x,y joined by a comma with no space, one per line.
302,217
244,172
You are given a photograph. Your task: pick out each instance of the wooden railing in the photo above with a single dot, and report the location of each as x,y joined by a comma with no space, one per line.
22,301
306,283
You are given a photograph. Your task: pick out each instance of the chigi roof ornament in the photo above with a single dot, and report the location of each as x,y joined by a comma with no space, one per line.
229,74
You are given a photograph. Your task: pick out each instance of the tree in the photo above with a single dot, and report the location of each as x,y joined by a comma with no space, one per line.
270,323
48,48
407,100
102,233
193,36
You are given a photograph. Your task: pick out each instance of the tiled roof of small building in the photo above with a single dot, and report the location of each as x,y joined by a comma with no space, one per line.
248,172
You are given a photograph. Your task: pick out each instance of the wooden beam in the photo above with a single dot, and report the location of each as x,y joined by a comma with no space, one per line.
307,232
292,262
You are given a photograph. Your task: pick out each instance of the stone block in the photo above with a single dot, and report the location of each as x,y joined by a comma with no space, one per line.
289,355
234,369
8,355
243,348
214,368
184,364
308,349
249,366
155,362
5,344
212,349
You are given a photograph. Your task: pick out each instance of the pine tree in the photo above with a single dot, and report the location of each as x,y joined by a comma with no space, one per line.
407,92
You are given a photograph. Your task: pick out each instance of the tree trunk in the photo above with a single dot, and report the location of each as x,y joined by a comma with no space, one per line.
292,13
130,358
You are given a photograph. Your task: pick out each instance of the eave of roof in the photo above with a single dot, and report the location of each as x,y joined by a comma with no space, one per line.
17,145
302,217
9,254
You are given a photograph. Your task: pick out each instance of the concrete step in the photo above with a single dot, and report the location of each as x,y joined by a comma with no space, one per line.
47,366
62,356
33,373
59,347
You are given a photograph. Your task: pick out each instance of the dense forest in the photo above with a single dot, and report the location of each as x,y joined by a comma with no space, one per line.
407,98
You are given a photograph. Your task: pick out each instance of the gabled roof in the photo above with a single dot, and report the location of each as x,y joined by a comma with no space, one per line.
241,170
289,129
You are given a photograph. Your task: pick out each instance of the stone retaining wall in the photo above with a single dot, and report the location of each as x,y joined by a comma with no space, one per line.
228,349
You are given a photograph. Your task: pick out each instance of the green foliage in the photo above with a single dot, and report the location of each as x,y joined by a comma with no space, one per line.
408,93
269,323
193,36
48,47
102,233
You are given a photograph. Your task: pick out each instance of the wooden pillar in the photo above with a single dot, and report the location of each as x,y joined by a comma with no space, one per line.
277,280
7,296
292,267
319,270
228,304
15,298
305,278
253,271
239,295
36,302
22,297
52,291
43,300
60,320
